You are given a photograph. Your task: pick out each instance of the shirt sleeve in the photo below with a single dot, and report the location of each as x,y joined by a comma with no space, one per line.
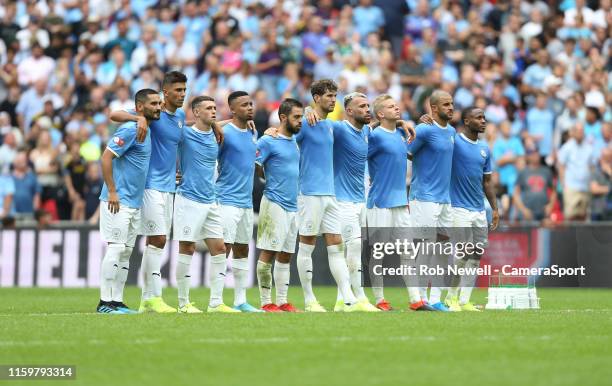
123,139
263,151
419,140
372,145
10,186
487,166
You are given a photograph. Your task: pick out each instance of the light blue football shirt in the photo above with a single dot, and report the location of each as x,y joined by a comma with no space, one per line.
236,167
350,158
316,158
471,160
198,152
280,158
130,167
387,164
432,159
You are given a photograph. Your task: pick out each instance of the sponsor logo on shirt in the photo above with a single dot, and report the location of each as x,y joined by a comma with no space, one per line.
118,141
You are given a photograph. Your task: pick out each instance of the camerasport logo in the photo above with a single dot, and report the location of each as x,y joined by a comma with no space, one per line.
118,141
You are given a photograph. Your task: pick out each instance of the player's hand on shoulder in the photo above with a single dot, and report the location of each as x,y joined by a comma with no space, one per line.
426,119
272,132
141,129
251,125
311,116
409,130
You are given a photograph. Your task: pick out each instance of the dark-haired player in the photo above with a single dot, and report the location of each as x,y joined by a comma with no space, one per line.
124,167
160,186
470,182
278,161
235,195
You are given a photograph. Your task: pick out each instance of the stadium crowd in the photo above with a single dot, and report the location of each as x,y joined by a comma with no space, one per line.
540,70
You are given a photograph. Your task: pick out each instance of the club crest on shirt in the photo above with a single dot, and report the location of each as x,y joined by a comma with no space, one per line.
118,141
180,124
365,138
483,153
452,139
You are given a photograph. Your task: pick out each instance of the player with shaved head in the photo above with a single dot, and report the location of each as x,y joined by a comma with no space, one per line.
430,210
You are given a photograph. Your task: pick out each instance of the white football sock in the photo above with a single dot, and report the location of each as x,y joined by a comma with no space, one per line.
282,273
353,261
108,271
379,294
453,291
339,270
183,278
122,273
304,265
152,263
411,281
264,279
468,281
240,269
218,267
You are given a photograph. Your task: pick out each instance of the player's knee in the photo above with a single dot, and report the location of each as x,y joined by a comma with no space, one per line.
217,248
240,250
186,248
310,240
158,241
333,239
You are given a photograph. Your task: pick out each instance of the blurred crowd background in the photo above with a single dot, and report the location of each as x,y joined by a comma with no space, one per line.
541,70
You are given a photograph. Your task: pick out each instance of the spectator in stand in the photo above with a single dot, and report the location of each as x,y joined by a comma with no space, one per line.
575,163
27,190
35,67
8,150
328,67
261,116
44,158
30,104
74,180
270,66
540,125
7,191
244,79
508,155
314,43
91,190
601,187
367,18
534,195
533,79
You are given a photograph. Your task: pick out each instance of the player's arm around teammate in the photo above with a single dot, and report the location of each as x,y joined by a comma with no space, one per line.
124,168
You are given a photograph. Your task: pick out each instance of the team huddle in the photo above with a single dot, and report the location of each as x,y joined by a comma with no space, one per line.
160,174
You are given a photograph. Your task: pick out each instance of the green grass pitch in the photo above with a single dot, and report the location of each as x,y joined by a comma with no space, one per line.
567,342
